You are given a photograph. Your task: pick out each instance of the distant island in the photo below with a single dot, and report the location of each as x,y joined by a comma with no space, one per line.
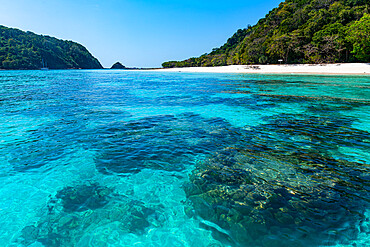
27,50
297,32
118,65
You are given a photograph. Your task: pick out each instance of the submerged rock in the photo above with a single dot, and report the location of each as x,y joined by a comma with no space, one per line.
324,134
161,142
269,200
75,213
289,185
83,197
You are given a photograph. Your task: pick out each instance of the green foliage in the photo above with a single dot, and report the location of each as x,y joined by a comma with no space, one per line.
26,50
359,35
263,60
297,31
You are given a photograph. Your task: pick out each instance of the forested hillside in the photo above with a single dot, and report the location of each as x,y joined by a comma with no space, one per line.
26,50
298,31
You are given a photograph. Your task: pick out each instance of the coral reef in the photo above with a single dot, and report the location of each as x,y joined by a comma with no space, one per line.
75,213
266,200
161,142
285,183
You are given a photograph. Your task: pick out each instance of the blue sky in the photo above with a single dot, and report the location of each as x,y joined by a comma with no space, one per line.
139,33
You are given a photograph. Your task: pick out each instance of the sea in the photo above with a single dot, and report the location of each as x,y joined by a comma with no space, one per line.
146,158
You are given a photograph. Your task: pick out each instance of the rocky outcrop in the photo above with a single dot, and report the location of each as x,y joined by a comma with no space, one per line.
118,65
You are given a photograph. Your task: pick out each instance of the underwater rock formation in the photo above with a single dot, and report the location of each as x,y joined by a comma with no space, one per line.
162,142
75,213
323,134
83,197
285,183
264,200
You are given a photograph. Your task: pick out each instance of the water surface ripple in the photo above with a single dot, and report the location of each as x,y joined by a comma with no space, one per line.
138,158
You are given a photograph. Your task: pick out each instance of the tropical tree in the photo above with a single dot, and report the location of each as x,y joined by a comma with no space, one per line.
359,34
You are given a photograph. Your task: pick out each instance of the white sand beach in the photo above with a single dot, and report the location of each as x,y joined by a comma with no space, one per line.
324,69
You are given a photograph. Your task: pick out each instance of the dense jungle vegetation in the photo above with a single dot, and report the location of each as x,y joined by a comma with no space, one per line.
26,50
298,31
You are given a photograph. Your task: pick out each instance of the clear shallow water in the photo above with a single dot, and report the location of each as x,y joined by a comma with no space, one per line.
118,158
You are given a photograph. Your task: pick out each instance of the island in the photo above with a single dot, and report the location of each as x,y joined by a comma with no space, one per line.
118,65
27,50
297,32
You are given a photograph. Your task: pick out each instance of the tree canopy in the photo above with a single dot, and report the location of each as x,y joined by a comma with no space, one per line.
297,31
26,50
359,35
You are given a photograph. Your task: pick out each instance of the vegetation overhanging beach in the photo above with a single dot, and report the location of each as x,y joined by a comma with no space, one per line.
320,69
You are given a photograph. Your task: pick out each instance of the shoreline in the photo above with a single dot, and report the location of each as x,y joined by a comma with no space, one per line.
303,69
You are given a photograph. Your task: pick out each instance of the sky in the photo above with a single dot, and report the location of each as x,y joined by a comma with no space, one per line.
137,33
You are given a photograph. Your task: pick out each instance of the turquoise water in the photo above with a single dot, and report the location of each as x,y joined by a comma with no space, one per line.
120,158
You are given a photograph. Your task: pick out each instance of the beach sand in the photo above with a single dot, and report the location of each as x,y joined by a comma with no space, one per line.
324,69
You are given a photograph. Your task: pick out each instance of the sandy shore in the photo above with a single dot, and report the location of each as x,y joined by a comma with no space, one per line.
323,69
